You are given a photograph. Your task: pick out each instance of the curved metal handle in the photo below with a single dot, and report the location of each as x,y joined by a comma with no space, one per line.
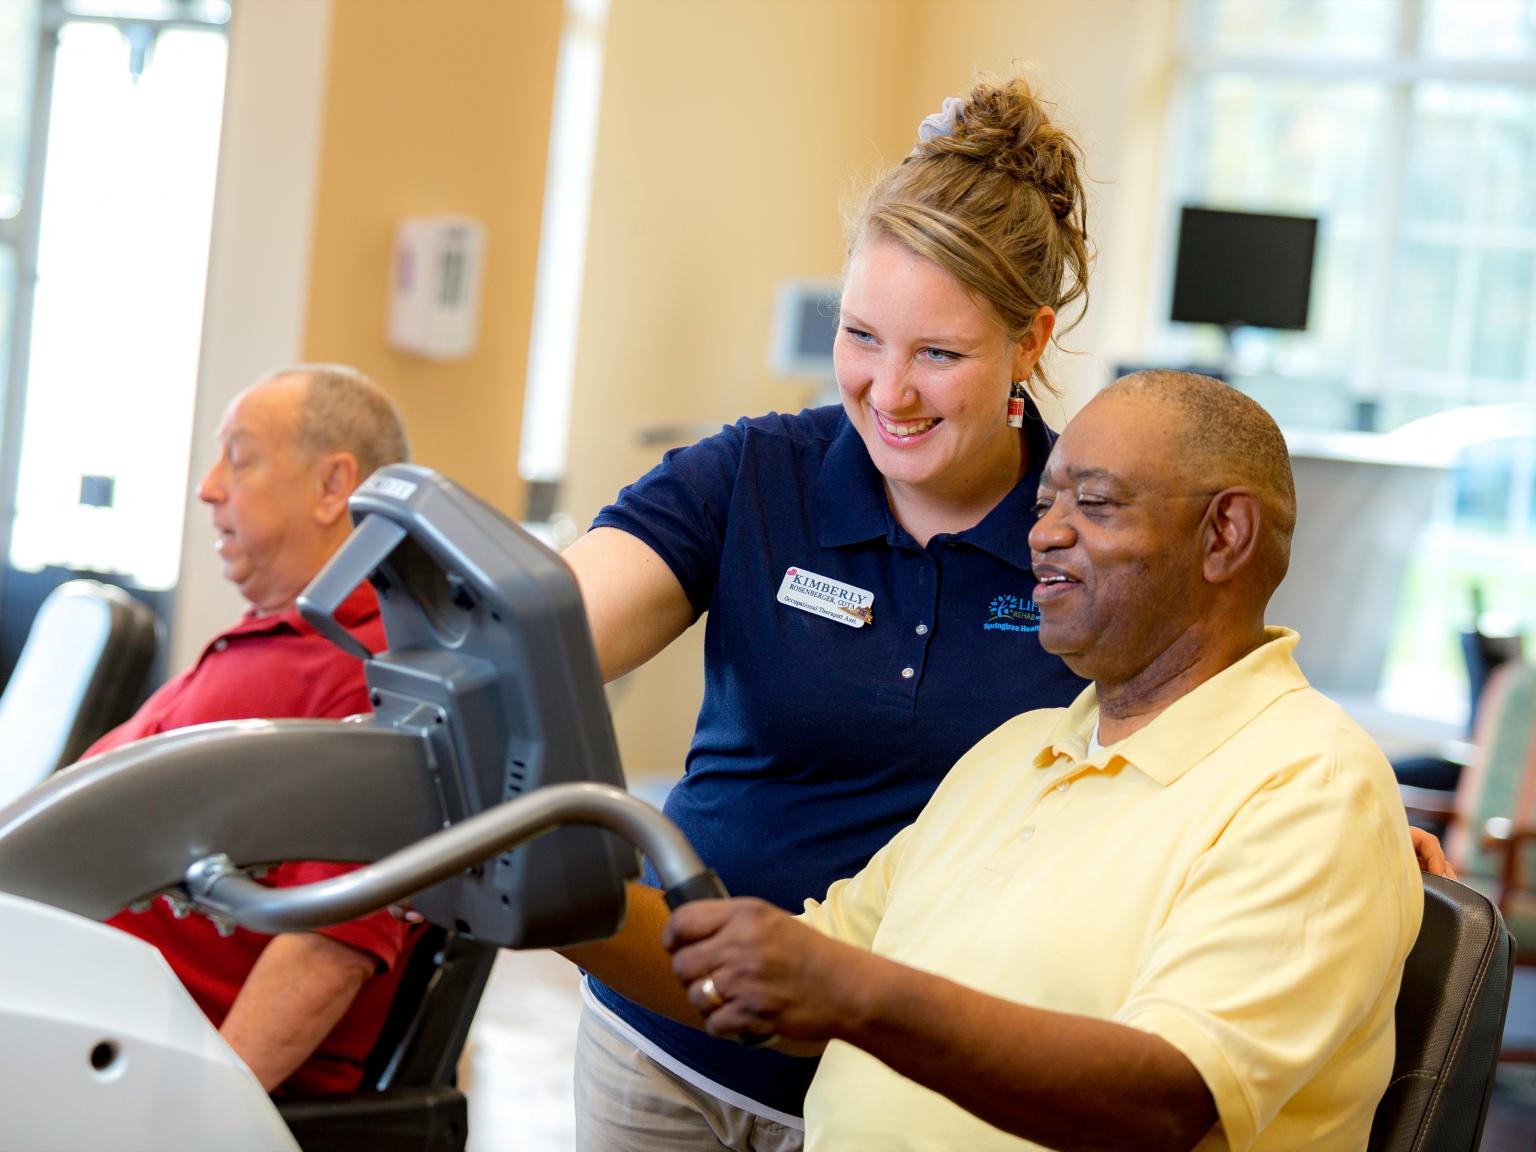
227,894
124,825
221,889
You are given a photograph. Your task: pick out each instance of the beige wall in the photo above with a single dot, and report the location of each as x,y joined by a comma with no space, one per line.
333,129
730,133
1108,66
436,106
258,260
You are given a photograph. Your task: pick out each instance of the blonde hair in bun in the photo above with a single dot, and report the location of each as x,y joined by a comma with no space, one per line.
997,202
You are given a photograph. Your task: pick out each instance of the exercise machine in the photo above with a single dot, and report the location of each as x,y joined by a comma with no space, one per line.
485,787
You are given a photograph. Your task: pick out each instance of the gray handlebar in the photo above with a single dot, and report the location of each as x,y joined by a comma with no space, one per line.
220,888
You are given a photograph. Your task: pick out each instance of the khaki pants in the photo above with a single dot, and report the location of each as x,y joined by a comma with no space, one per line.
626,1102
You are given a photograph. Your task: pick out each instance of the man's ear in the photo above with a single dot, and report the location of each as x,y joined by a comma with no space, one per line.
337,476
1233,520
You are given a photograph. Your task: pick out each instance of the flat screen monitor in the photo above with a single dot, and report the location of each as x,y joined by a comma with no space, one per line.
1243,269
805,325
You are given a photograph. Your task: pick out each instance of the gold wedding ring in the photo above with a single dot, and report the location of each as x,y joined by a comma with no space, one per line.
710,993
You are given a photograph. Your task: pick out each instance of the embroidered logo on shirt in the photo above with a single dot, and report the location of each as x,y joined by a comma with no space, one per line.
827,597
1012,614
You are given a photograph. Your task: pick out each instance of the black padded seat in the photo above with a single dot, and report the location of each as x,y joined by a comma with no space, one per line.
409,1101
1450,1018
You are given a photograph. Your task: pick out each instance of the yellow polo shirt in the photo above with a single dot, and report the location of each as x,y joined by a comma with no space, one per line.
1236,878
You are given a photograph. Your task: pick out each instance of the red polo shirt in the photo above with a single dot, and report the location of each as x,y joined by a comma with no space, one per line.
273,667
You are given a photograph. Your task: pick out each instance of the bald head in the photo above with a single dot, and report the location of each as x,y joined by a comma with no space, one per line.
1221,438
341,410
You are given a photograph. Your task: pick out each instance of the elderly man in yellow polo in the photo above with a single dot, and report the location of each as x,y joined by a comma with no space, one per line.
1172,915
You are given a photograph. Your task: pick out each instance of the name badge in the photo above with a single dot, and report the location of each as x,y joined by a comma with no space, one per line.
826,597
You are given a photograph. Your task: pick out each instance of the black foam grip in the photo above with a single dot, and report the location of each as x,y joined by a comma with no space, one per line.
705,886
708,886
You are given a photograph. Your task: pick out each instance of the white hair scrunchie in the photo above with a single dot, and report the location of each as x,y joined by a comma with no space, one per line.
941,123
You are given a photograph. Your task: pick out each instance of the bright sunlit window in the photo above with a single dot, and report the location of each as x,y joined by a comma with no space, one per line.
122,264
1409,130
563,242
18,48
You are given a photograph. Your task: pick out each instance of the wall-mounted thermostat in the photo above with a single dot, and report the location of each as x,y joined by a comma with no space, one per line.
434,302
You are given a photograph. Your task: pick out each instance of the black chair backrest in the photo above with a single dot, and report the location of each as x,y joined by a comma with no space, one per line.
1450,1019
1483,654
408,1101
117,685
424,1033
81,673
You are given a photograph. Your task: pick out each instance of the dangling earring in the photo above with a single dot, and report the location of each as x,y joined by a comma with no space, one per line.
1016,395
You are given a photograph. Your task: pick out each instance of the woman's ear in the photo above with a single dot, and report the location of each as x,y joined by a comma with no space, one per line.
1027,352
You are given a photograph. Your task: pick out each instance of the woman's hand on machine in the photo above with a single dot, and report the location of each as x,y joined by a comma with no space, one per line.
755,972
1430,854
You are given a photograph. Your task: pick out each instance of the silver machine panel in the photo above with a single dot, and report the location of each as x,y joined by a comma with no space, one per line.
487,691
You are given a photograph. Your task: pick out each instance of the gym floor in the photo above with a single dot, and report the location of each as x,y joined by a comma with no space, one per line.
517,1063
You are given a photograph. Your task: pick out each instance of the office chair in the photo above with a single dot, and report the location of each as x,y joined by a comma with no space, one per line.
409,1101
81,673
1491,836
1450,1015
1483,653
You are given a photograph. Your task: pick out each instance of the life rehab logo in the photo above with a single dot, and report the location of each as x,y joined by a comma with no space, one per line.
1012,614
827,597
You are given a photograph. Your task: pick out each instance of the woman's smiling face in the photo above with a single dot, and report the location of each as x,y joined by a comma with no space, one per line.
924,369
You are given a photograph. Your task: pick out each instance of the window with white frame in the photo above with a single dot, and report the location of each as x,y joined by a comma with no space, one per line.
18,48
104,366
1408,127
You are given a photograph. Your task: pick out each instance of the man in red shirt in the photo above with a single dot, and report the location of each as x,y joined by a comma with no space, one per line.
303,1009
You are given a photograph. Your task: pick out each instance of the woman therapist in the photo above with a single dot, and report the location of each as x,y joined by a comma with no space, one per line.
866,574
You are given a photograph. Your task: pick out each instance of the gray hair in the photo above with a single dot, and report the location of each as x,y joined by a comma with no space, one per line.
344,411
1226,437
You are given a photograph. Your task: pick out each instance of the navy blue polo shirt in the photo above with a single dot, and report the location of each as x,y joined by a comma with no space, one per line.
817,742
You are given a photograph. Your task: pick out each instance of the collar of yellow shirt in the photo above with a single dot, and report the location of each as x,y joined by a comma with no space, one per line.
1193,726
